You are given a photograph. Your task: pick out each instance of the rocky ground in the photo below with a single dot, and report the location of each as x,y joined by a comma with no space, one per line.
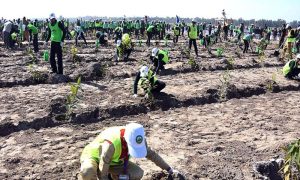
214,120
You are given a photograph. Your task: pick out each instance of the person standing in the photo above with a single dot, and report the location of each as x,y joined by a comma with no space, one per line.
6,33
33,32
192,34
57,35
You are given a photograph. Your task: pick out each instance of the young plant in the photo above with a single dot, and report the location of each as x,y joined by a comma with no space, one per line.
32,55
272,82
74,52
225,82
230,62
97,45
220,52
147,87
291,167
193,63
72,98
36,75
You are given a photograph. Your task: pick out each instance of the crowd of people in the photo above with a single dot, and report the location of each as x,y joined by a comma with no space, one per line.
109,153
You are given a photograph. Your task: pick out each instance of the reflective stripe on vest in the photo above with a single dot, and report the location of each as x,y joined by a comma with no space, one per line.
112,135
193,32
286,68
166,58
56,32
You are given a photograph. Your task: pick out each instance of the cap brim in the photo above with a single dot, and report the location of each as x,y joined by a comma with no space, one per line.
138,152
153,54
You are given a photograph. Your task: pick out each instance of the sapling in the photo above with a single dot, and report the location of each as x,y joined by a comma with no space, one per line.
72,98
291,167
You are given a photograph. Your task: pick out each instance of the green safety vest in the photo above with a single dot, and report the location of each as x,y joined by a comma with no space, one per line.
176,30
286,68
105,25
97,24
13,36
247,37
137,26
166,57
193,32
149,77
112,135
291,40
126,39
32,28
56,32
150,28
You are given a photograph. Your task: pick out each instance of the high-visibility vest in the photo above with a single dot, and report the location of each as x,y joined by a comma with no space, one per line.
111,135
56,32
193,32
286,68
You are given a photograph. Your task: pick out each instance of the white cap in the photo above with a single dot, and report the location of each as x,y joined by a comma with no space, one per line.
144,71
135,138
154,51
288,25
298,56
52,16
119,42
193,20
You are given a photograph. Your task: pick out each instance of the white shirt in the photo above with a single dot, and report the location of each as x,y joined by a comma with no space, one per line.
7,27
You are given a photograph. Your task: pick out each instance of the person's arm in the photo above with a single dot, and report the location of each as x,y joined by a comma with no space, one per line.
30,35
49,34
62,27
157,159
292,65
159,63
136,81
107,151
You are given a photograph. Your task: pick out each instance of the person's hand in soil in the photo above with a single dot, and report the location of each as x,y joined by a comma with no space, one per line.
175,174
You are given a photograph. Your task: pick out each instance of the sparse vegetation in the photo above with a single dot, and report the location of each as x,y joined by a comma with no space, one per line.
74,56
36,75
225,82
291,167
73,98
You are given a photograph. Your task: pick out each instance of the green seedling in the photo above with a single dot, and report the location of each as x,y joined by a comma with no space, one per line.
291,167
72,98
225,82
74,56
271,83
147,87
35,74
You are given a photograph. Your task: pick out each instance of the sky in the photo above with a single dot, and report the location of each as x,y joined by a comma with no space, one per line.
246,9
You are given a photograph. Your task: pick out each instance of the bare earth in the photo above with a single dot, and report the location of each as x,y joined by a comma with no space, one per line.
202,128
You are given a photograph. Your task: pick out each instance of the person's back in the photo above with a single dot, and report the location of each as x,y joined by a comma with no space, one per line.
7,27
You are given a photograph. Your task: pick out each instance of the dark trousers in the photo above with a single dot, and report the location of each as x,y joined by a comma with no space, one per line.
80,35
158,86
293,73
195,45
149,36
159,66
35,43
56,49
6,39
175,39
281,41
246,46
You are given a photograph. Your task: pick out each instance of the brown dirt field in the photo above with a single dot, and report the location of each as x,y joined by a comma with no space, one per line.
202,128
